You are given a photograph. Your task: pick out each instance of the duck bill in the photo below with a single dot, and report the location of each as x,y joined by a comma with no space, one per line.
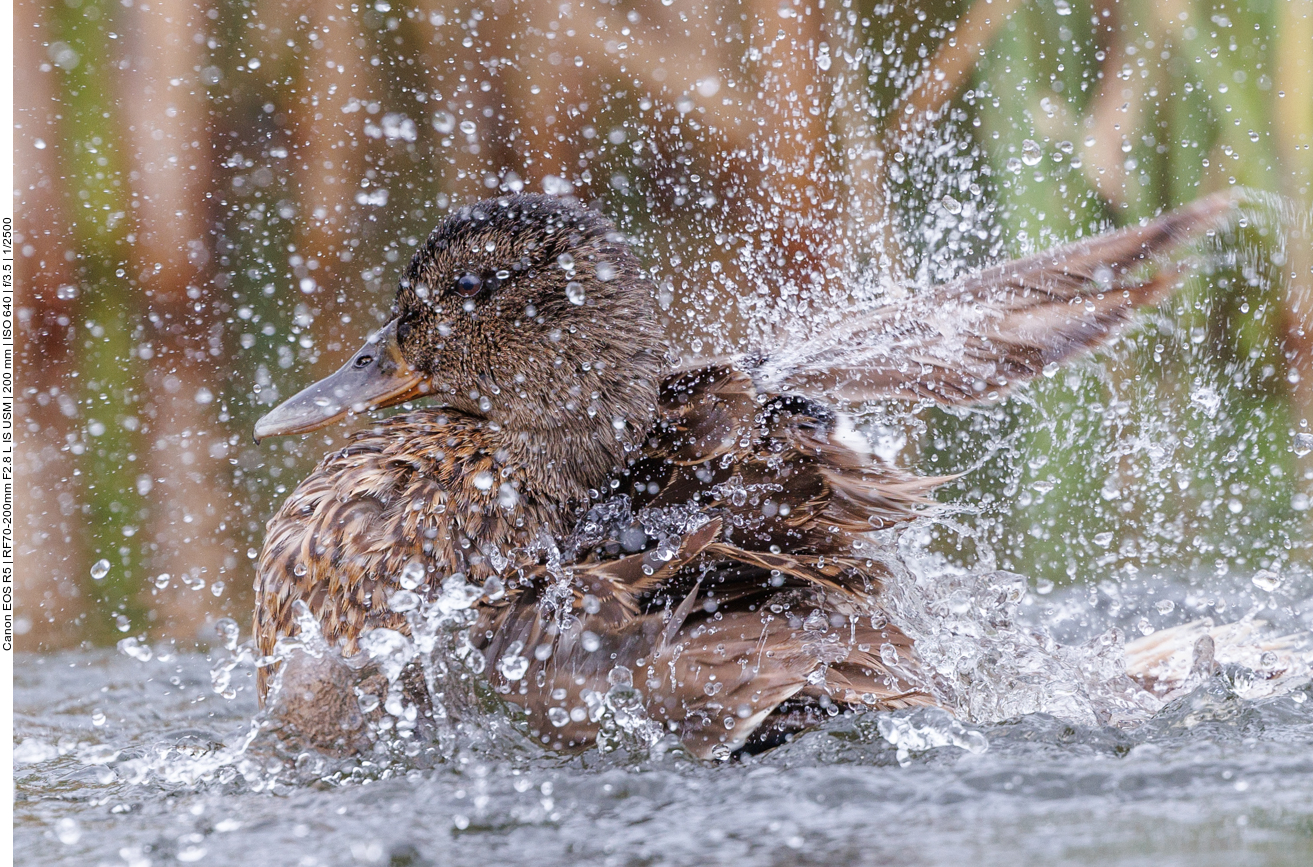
375,377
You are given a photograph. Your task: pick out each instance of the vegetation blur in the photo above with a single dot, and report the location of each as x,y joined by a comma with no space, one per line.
215,202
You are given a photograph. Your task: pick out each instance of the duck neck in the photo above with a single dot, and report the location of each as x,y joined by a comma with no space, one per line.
568,451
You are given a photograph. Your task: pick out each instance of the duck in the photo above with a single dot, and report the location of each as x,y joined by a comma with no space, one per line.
697,529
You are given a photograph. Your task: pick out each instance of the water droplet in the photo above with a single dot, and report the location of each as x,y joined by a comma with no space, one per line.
590,641
1266,580
457,594
1104,539
1165,606
558,716
229,631
512,665
605,271
1031,153
68,831
412,575
132,647
403,600
483,480
952,205
575,292
100,570
493,588
1303,444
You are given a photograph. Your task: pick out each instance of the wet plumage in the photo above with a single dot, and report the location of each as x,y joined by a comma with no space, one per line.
712,518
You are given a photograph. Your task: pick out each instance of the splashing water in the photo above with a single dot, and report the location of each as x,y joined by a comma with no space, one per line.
152,756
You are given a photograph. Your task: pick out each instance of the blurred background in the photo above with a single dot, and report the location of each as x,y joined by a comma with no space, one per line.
214,202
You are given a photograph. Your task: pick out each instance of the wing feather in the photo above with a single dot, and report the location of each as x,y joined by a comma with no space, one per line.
976,337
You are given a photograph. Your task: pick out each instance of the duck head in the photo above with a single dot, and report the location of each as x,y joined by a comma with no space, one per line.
527,311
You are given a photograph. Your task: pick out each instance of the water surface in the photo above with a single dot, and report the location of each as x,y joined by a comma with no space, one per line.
122,761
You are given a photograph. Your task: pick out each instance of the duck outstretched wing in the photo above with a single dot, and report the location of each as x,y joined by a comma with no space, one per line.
976,337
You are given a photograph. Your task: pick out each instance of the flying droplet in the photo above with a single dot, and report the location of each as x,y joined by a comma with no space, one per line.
1303,444
100,570
493,588
133,647
1031,153
513,666
403,600
412,575
575,292
1266,580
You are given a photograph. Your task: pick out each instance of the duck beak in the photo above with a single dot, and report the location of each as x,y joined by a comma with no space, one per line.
375,377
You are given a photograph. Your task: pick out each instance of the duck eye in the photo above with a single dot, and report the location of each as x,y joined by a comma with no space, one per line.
364,360
469,285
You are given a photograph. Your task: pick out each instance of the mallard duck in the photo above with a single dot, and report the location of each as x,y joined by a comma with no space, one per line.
710,518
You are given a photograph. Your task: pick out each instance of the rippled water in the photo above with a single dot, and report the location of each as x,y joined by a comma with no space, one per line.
123,761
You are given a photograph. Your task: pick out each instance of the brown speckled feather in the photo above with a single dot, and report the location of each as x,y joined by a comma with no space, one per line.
532,324
775,547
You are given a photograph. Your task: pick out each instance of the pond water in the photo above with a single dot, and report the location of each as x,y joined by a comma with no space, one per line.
124,760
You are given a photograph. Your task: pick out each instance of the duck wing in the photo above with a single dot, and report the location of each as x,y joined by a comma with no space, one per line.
755,587
734,489
976,337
